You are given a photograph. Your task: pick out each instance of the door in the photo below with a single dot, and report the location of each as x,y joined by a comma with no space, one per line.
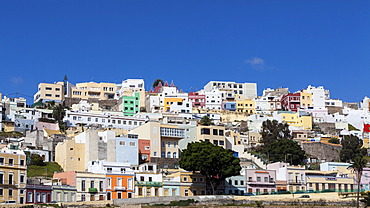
92,197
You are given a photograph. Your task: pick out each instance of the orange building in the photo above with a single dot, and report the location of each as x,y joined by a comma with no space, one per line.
120,185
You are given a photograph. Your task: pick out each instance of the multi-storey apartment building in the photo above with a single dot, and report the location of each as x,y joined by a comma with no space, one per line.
49,92
230,89
291,101
13,176
148,181
93,90
197,100
104,119
90,186
213,134
119,178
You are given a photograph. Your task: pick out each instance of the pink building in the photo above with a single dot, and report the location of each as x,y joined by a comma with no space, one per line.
197,100
44,125
260,181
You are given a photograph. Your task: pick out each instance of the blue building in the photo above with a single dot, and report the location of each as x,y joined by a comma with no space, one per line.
127,149
231,106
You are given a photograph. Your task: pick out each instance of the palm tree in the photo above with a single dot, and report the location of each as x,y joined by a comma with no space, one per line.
358,165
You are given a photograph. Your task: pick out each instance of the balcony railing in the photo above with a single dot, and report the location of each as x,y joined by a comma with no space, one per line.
148,183
261,182
295,182
120,188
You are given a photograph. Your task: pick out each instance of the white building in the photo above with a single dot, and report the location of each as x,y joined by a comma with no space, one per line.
230,89
213,98
105,120
319,95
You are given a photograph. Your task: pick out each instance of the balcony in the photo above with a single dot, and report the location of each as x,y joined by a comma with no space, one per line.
148,183
4,183
295,182
253,182
93,190
120,188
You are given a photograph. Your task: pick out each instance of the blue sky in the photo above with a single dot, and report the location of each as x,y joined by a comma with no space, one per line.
273,43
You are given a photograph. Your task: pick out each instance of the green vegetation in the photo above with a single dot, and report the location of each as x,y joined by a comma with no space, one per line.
13,134
43,171
334,141
277,144
156,82
214,162
206,121
351,148
358,165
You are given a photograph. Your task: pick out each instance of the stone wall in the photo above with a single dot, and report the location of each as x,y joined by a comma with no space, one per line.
322,151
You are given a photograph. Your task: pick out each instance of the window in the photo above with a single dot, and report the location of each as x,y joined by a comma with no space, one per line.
21,178
29,197
221,132
1,192
48,88
185,178
11,178
83,197
150,178
129,184
109,182
1,161
48,95
168,154
174,155
174,144
101,185
222,143
163,144
96,119
169,144
266,179
215,132
205,131
132,144
11,161
122,143
83,185
109,170
154,154
92,184
236,182
258,179
215,142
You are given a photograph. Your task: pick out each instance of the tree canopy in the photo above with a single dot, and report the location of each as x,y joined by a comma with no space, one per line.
277,144
351,148
285,150
214,162
156,82
206,121
273,131
58,114
358,165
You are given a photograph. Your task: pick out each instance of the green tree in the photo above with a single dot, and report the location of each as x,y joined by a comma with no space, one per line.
214,162
358,165
58,114
273,131
156,82
351,148
334,141
205,121
285,150
37,160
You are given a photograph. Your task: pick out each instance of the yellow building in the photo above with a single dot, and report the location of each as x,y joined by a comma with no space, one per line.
294,119
306,99
247,106
49,92
184,183
169,101
93,90
213,134
71,156
13,176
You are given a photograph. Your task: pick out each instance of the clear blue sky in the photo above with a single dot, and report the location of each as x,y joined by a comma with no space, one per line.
273,43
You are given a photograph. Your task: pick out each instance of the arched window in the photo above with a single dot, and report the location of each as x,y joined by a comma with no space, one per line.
168,154
29,198
174,155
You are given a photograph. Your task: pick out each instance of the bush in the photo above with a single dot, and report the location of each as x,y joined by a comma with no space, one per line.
37,160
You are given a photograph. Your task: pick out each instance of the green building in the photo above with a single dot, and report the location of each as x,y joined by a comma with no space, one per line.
131,104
